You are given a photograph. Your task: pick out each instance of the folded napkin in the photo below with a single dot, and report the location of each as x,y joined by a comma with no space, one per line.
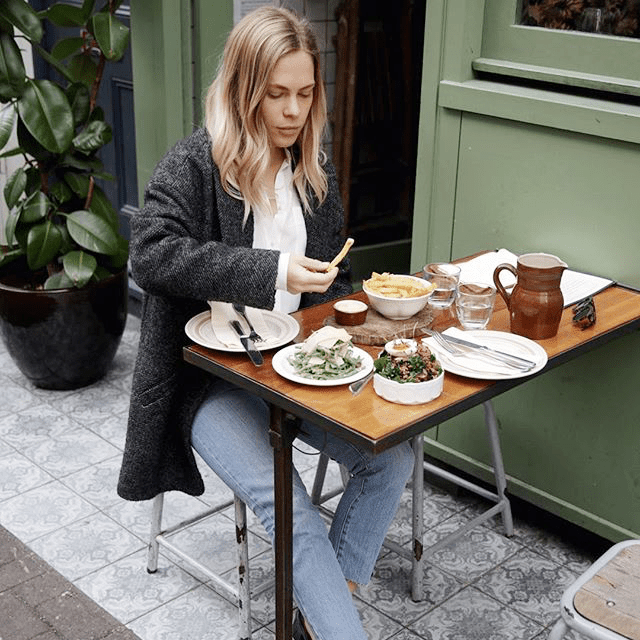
481,269
472,362
222,313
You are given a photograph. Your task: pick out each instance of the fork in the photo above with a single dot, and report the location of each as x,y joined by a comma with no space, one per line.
454,350
240,310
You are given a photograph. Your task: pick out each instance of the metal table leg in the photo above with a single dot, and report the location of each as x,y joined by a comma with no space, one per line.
281,438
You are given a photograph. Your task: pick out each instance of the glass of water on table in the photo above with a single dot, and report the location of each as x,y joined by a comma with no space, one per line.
445,276
474,304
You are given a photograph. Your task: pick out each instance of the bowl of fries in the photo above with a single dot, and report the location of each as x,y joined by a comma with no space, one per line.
397,297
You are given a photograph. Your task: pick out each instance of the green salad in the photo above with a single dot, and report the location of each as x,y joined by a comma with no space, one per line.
417,367
326,354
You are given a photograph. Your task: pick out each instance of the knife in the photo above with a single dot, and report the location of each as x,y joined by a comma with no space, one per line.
488,350
247,343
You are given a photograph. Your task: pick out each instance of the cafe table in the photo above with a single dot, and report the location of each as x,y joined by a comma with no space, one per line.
376,424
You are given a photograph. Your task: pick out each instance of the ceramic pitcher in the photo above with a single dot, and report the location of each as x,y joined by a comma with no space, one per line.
536,302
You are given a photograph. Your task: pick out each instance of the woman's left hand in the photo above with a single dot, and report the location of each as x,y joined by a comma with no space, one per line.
308,275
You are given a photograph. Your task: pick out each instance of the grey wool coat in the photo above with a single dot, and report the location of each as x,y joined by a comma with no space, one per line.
188,246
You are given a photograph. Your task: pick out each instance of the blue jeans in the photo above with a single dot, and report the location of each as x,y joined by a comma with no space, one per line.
231,433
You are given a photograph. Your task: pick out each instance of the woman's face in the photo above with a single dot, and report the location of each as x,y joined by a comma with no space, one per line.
289,97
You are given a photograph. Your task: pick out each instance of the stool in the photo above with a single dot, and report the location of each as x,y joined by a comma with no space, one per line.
239,592
604,602
418,553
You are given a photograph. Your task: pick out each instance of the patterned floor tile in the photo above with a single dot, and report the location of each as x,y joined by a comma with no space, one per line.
97,484
390,589
434,512
212,543
70,451
379,626
127,591
86,545
552,545
528,583
5,447
471,615
42,510
199,614
96,402
475,553
113,429
34,425
14,398
18,474
136,516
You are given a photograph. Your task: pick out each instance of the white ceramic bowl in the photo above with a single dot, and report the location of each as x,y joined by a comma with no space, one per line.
408,392
398,308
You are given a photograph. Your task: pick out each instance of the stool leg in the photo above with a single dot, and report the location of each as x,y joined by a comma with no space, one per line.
417,519
244,591
558,630
318,481
156,527
498,466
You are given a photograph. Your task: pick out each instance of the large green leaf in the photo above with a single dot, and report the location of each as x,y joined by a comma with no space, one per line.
7,119
16,184
94,136
53,62
35,208
12,73
66,46
66,15
20,14
101,205
79,266
90,231
59,280
78,182
83,68
119,260
9,256
10,227
46,113
43,243
112,36
79,99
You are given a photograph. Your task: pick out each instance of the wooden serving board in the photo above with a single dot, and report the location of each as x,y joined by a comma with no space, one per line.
377,330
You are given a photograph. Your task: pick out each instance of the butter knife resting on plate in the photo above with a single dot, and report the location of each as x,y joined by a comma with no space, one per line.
247,343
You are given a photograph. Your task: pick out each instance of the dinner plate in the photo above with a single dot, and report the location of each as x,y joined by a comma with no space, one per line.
282,328
472,366
281,365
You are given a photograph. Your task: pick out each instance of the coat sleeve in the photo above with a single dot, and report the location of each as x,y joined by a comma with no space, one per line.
189,240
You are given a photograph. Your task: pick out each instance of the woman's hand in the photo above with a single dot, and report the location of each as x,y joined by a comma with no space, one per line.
306,275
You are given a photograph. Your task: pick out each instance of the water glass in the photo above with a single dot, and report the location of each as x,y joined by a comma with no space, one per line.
445,276
474,304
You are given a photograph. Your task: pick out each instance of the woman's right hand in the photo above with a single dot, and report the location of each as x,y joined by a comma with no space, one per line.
308,275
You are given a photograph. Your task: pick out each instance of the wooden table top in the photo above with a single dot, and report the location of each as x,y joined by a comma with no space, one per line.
376,423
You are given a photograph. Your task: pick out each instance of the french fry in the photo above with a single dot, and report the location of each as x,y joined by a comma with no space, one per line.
340,257
393,286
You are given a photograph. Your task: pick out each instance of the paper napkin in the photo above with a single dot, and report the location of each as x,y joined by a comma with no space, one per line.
222,313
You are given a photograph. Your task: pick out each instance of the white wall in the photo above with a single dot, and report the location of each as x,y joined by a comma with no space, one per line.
9,165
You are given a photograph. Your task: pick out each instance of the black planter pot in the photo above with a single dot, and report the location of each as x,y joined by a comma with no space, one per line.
63,338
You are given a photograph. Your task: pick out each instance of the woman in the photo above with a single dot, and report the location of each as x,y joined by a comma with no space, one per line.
247,210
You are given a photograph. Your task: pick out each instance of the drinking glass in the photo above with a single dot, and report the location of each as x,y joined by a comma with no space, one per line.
445,276
474,304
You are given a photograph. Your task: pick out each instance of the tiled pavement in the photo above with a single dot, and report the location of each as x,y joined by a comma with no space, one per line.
74,537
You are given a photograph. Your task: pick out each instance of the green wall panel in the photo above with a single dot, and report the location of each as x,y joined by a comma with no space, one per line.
532,188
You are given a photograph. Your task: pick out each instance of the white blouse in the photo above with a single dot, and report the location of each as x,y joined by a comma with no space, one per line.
285,231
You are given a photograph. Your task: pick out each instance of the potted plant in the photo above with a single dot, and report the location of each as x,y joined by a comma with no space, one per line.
63,278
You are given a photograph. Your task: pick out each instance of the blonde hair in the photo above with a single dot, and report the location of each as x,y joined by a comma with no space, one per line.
232,110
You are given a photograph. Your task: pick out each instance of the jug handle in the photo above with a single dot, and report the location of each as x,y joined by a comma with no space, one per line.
499,286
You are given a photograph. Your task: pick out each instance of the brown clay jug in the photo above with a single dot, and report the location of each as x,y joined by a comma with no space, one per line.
536,302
